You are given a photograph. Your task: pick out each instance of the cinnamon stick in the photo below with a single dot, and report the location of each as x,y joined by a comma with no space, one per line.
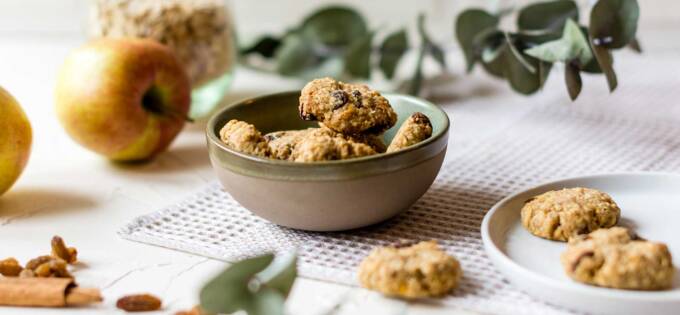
45,292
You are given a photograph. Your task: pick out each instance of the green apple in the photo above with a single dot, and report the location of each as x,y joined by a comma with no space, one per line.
15,140
126,98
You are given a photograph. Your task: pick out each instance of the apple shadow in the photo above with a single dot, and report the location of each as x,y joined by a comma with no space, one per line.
41,201
178,158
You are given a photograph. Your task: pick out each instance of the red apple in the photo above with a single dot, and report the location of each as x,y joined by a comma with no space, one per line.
126,99
15,140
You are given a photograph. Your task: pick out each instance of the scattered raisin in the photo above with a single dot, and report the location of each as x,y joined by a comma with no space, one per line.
35,262
10,267
59,249
139,303
339,98
55,268
357,98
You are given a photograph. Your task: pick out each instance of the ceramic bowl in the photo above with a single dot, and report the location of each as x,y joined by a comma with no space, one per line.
332,195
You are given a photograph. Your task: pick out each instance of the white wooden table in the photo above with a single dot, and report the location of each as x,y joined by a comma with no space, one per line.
71,192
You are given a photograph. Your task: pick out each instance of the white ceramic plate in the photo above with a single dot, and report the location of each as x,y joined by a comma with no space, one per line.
650,203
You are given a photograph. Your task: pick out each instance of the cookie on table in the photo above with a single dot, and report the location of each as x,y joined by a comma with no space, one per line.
561,214
415,129
318,146
346,108
418,271
613,258
244,137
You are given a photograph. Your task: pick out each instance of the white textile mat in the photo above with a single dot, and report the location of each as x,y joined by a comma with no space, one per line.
548,142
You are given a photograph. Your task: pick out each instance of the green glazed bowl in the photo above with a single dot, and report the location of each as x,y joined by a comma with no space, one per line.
332,195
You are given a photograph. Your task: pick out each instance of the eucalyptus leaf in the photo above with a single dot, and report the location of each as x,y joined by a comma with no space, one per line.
518,56
417,80
229,292
606,63
521,79
468,25
280,274
635,45
358,57
335,26
549,15
573,45
496,65
295,55
573,79
265,46
330,67
438,54
391,51
613,23
265,302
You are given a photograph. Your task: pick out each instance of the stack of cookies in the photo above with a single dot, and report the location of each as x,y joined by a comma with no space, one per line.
598,253
352,119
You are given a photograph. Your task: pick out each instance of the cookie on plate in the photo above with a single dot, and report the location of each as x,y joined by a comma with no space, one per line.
244,137
614,258
415,129
561,214
346,108
418,271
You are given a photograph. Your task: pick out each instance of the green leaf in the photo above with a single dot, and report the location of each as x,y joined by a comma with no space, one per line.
295,55
606,63
229,292
635,45
266,302
469,24
358,57
521,78
518,56
265,46
495,63
392,49
438,55
550,15
573,45
280,274
573,79
334,26
613,23
416,82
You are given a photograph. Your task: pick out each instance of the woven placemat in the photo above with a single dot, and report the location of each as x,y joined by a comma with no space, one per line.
548,142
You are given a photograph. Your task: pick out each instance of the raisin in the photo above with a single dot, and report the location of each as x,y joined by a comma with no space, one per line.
10,267
339,98
307,116
35,262
139,303
357,99
59,249
56,268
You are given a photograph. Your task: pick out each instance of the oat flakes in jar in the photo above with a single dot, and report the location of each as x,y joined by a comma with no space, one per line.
200,32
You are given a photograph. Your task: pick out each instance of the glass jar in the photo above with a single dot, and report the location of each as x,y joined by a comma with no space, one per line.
200,32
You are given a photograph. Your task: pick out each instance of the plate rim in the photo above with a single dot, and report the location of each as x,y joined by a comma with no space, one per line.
497,256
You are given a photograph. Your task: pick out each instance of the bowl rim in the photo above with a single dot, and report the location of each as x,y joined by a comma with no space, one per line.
212,136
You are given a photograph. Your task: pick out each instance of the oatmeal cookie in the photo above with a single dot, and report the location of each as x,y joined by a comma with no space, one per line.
282,144
615,259
317,146
561,214
415,129
346,108
421,270
244,137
